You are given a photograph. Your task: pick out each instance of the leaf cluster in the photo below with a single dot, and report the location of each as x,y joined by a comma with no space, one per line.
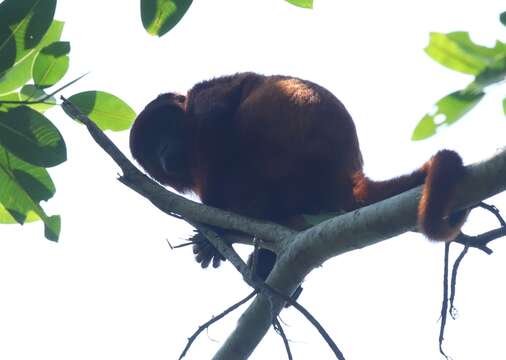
458,52
33,59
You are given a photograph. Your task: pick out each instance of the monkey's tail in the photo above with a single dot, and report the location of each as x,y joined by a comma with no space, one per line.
444,171
440,176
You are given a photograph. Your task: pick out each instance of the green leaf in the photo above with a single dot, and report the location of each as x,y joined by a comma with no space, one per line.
502,18
6,217
34,179
457,52
52,227
449,109
51,64
21,72
487,54
308,4
425,128
159,16
106,110
22,188
492,74
28,19
9,97
7,48
504,106
32,137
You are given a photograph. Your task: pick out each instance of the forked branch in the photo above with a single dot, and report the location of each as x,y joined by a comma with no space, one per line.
301,252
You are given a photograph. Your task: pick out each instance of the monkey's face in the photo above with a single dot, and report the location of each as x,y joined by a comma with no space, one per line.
159,141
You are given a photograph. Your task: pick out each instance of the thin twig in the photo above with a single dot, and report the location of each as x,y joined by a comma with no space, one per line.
453,284
339,355
183,245
279,329
204,326
494,210
44,98
444,306
173,247
481,241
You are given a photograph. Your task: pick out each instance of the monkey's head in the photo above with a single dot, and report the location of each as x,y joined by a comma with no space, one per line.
159,141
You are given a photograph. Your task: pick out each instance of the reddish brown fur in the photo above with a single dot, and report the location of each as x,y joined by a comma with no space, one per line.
434,211
274,147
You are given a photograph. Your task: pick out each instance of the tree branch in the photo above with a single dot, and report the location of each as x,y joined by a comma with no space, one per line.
300,253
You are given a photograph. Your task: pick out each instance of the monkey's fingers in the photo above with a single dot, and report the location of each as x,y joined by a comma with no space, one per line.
217,261
205,263
203,255
205,259
205,252
201,246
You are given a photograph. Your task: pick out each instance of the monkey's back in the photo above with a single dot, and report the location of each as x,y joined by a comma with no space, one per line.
290,148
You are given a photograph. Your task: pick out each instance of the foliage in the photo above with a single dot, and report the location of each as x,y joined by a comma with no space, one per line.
32,60
160,16
458,52
308,4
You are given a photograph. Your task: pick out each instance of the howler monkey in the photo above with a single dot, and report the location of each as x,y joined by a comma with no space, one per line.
274,147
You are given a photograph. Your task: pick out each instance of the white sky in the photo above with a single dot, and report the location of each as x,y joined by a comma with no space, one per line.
112,288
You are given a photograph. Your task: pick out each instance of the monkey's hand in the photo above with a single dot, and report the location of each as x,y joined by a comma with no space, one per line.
205,252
